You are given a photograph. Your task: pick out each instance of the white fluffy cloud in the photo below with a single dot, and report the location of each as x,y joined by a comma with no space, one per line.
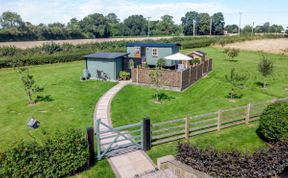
37,11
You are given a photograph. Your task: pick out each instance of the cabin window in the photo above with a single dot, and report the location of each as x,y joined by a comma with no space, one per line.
155,52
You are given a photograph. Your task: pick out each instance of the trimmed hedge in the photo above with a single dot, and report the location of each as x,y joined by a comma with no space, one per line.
60,154
273,124
265,163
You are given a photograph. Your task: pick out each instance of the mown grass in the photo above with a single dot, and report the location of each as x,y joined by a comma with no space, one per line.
133,103
242,138
72,102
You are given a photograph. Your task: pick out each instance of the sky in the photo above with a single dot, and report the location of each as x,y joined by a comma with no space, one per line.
48,11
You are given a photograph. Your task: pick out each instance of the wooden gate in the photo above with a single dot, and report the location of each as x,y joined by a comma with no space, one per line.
115,141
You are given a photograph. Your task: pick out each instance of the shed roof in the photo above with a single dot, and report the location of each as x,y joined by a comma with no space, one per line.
152,44
106,55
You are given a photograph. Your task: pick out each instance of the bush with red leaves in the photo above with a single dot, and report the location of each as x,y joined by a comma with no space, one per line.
264,163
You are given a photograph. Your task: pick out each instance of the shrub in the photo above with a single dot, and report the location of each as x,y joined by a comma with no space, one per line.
232,53
160,63
8,51
263,163
124,75
274,122
51,48
60,154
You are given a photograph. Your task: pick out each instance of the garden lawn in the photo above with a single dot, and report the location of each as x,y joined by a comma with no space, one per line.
242,138
209,94
72,102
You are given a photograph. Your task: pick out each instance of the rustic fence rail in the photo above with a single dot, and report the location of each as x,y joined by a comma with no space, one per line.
167,131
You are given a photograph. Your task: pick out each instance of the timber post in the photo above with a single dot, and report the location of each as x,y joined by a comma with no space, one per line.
90,139
248,114
146,134
187,128
219,121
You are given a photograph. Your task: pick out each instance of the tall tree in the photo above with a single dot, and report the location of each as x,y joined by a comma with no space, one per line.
112,18
166,25
247,30
10,19
218,23
95,25
136,25
187,22
203,24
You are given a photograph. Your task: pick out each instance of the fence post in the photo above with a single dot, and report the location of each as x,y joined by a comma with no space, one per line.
187,128
219,121
146,134
248,113
90,139
137,74
189,75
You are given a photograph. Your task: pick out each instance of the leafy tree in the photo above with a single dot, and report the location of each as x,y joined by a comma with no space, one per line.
95,25
135,25
204,24
166,25
10,19
232,53
247,29
218,23
112,18
160,63
275,28
29,84
265,67
237,80
155,76
187,22
232,28
131,64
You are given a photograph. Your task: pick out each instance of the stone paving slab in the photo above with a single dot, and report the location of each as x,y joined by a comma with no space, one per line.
126,165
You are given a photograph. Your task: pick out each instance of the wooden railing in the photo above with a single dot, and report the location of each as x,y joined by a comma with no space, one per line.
167,131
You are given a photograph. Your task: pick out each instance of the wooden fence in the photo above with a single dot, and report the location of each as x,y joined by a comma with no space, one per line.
167,131
173,78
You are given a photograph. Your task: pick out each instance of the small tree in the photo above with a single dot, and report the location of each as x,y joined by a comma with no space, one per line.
155,79
237,80
29,84
265,67
232,53
160,63
131,64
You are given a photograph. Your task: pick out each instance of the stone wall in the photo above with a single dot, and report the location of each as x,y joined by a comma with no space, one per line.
179,169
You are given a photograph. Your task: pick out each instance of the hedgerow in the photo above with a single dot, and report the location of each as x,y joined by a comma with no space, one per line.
51,53
263,163
59,154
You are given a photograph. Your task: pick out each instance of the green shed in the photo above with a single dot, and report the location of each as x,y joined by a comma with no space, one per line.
105,65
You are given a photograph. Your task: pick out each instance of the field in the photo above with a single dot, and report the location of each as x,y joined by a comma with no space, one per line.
72,102
277,46
31,44
133,103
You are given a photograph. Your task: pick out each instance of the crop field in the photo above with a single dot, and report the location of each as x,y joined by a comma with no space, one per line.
277,46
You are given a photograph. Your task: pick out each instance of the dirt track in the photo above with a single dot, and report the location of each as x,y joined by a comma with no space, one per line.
31,44
277,46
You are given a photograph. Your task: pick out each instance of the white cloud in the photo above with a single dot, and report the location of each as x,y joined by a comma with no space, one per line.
37,11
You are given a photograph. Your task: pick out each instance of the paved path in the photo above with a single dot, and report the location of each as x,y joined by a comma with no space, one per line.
129,164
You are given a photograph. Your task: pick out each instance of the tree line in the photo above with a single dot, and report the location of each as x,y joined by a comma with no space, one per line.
265,28
13,28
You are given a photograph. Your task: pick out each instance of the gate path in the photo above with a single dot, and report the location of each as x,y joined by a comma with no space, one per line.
129,164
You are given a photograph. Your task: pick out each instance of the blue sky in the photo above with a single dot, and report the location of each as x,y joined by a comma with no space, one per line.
47,11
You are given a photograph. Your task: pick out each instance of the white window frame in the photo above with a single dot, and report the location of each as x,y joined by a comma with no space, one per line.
154,55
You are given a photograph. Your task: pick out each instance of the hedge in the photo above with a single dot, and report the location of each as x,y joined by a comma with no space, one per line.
263,163
273,123
59,154
67,53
